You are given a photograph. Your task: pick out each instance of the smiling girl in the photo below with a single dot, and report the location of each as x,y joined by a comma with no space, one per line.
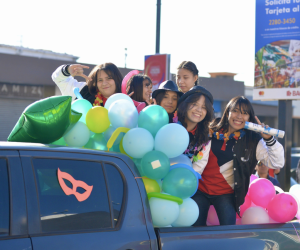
167,96
232,158
195,112
103,81
139,88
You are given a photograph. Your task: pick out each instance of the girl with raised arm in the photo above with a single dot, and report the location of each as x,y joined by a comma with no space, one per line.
103,81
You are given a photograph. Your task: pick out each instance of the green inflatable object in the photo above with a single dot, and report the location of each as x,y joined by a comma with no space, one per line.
45,121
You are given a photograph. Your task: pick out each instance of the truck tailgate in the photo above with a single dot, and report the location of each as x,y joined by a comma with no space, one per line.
267,236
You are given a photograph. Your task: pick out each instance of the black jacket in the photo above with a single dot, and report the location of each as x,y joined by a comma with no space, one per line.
85,93
243,167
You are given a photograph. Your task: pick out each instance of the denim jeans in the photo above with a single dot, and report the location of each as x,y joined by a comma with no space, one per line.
224,205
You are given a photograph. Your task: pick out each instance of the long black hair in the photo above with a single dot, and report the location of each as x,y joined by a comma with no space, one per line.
135,84
243,104
201,135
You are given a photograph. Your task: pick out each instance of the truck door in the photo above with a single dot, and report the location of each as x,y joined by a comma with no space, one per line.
82,201
13,217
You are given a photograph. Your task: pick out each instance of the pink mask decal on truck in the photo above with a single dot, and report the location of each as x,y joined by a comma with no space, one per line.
75,183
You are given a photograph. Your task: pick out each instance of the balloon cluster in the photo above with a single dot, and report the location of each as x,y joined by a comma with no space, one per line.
155,146
262,205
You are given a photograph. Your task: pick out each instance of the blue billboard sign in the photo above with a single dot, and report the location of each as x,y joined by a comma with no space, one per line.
277,50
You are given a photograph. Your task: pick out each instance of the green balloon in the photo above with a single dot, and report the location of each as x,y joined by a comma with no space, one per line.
60,142
45,121
153,118
115,148
155,165
180,182
81,106
137,162
97,141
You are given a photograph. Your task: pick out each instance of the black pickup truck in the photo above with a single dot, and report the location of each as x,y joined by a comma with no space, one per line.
101,204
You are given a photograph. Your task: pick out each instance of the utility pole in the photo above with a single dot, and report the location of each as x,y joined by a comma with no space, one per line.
285,112
125,56
158,8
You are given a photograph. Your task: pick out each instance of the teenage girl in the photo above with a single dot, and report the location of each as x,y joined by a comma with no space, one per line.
103,81
195,112
233,155
139,88
187,76
167,96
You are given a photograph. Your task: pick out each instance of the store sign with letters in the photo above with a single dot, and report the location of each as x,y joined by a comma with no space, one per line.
21,90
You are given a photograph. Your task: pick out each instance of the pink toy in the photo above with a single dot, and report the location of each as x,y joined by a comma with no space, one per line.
261,192
238,222
212,217
139,105
282,208
126,78
245,205
252,178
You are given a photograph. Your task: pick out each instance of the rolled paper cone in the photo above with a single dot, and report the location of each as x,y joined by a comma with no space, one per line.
268,131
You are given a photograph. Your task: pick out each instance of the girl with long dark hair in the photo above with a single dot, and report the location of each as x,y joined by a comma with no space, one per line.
195,112
234,152
139,88
102,82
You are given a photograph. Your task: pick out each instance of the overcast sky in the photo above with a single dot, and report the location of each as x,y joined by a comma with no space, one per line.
217,35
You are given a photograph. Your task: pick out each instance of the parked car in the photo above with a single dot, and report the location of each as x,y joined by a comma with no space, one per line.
65,198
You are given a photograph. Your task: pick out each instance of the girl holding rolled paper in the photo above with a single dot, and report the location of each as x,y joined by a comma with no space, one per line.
195,112
234,152
103,81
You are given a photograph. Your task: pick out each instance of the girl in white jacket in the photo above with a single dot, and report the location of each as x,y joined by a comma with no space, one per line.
103,81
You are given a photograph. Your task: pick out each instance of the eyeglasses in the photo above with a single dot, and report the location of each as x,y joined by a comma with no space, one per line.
260,163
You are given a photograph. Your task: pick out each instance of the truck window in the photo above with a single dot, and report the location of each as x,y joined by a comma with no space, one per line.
116,189
4,199
72,195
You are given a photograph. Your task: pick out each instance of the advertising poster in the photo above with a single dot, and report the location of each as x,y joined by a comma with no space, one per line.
157,67
277,50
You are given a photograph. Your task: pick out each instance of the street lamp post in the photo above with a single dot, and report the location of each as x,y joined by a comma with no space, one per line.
158,5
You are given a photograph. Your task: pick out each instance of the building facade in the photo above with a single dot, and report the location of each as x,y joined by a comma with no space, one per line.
25,77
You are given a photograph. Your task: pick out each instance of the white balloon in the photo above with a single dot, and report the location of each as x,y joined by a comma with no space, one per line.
295,192
181,159
172,140
278,189
255,215
115,97
295,189
188,213
78,136
123,113
163,212
137,142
